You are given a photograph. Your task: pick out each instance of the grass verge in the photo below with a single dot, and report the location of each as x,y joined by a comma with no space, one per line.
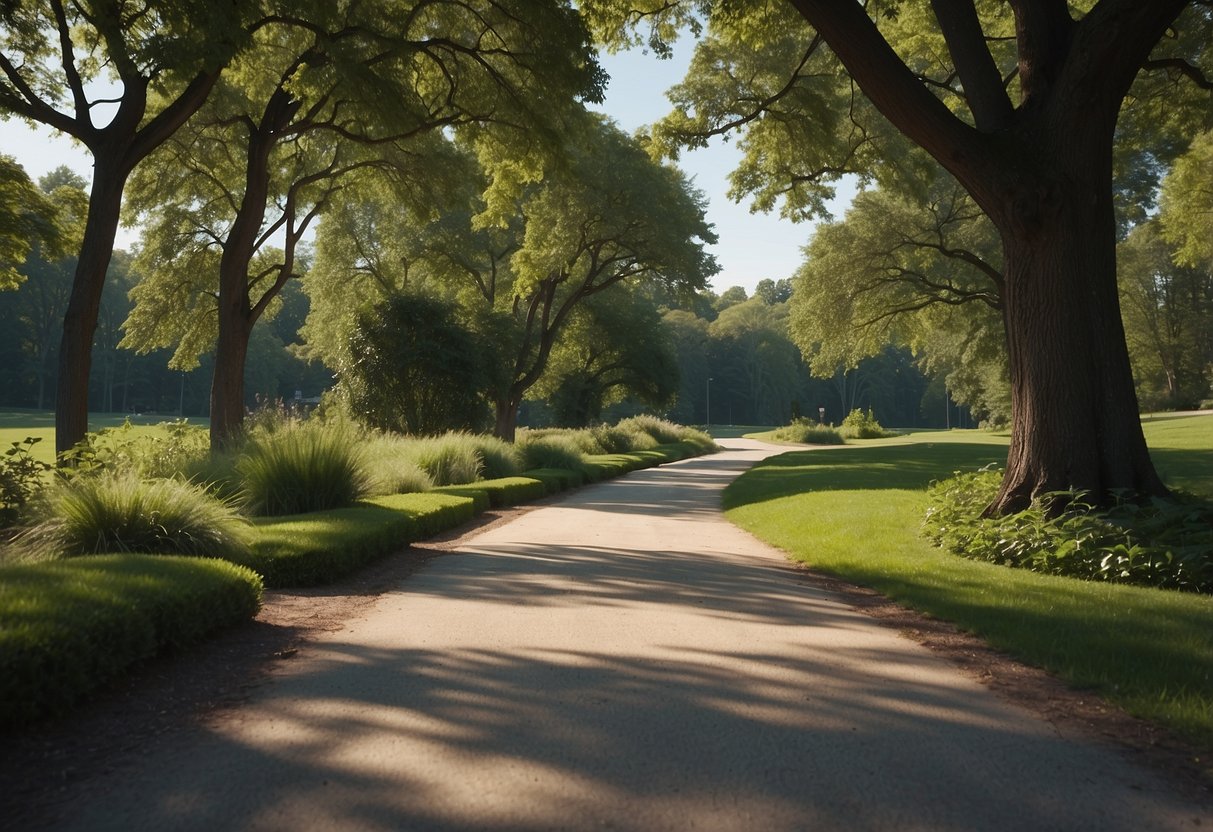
69,627
856,513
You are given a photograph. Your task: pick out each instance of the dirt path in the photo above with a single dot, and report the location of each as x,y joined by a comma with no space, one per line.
622,659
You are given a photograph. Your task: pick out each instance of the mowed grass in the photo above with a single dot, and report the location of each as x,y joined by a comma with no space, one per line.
855,512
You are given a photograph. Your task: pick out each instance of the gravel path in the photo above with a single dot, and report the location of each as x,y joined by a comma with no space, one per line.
625,659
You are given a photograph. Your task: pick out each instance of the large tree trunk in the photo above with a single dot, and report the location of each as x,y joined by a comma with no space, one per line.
1075,420
84,304
507,419
227,383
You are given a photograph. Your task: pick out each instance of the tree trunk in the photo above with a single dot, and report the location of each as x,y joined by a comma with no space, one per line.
1075,420
227,383
507,419
84,303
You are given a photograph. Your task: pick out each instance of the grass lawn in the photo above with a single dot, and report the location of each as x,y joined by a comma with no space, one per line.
855,512
16,425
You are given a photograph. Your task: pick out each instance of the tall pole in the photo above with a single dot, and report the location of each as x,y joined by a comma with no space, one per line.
709,402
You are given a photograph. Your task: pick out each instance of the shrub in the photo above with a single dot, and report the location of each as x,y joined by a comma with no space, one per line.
551,451
302,467
124,513
861,425
391,469
450,459
699,440
1158,543
662,431
67,628
22,478
611,440
499,459
322,546
806,432
498,493
169,449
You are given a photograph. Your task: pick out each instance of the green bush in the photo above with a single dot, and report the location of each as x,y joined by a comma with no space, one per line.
391,469
862,425
124,513
22,478
319,547
499,459
556,480
700,441
450,459
806,432
302,467
499,493
662,431
550,451
611,440
167,450
69,627
1158,543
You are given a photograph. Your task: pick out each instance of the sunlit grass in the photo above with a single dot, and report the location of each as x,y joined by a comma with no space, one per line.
856,512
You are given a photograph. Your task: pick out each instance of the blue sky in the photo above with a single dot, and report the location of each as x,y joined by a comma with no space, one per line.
751,246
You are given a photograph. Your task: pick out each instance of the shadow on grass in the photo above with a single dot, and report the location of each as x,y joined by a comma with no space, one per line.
862,468
1187,469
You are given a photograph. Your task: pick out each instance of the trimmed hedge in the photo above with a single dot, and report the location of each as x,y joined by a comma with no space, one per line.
310,549
69,627
556,480
501,492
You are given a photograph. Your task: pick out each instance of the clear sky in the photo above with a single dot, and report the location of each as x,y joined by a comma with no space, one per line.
751,246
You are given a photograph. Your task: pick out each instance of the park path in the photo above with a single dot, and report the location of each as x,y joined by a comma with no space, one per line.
625,659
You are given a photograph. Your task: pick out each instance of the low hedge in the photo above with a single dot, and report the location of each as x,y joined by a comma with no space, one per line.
310,549
501,492
556,480
68,627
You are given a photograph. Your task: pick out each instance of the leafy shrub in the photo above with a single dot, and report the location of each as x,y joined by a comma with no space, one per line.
611,440
22,478
807,432
169,449
68,627
699,440
1158,543
862,425
551,451
662,431
125,513
450,459
302,467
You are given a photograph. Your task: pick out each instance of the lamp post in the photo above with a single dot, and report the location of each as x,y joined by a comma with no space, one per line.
708,405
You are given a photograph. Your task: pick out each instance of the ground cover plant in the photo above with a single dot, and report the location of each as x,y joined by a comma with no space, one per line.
856,513
804,432
69,627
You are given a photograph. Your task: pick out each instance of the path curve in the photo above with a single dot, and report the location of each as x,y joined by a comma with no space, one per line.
626,659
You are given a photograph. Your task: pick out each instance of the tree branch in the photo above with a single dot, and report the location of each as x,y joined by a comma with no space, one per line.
983,88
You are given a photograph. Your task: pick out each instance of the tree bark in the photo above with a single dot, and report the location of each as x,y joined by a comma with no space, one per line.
227,383
506,426
84,303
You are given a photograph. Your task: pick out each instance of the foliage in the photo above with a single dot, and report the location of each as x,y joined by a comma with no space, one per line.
22,478
413,368
27,218
450,459
322,546
173,449
498,458
122,512
1154,543
69,627
498,493
661,430
550,451
861,424
807,432
301,467
856,513
1187,204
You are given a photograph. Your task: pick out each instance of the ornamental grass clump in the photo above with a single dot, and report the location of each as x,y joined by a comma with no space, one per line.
549,451
1160,543
449,459
663,432
121,512
499,459
302,467
807,432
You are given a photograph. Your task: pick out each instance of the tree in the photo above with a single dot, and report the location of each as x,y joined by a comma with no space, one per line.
27,218
305,109
601,214
54,60
1035,155
613,349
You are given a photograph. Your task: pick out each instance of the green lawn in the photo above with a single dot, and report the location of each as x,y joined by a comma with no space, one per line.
855,512
16,425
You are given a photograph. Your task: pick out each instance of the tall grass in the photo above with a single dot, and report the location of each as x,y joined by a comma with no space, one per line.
663,432
549,451
499,459
302,467
450,459
805,432
121,512
391,469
